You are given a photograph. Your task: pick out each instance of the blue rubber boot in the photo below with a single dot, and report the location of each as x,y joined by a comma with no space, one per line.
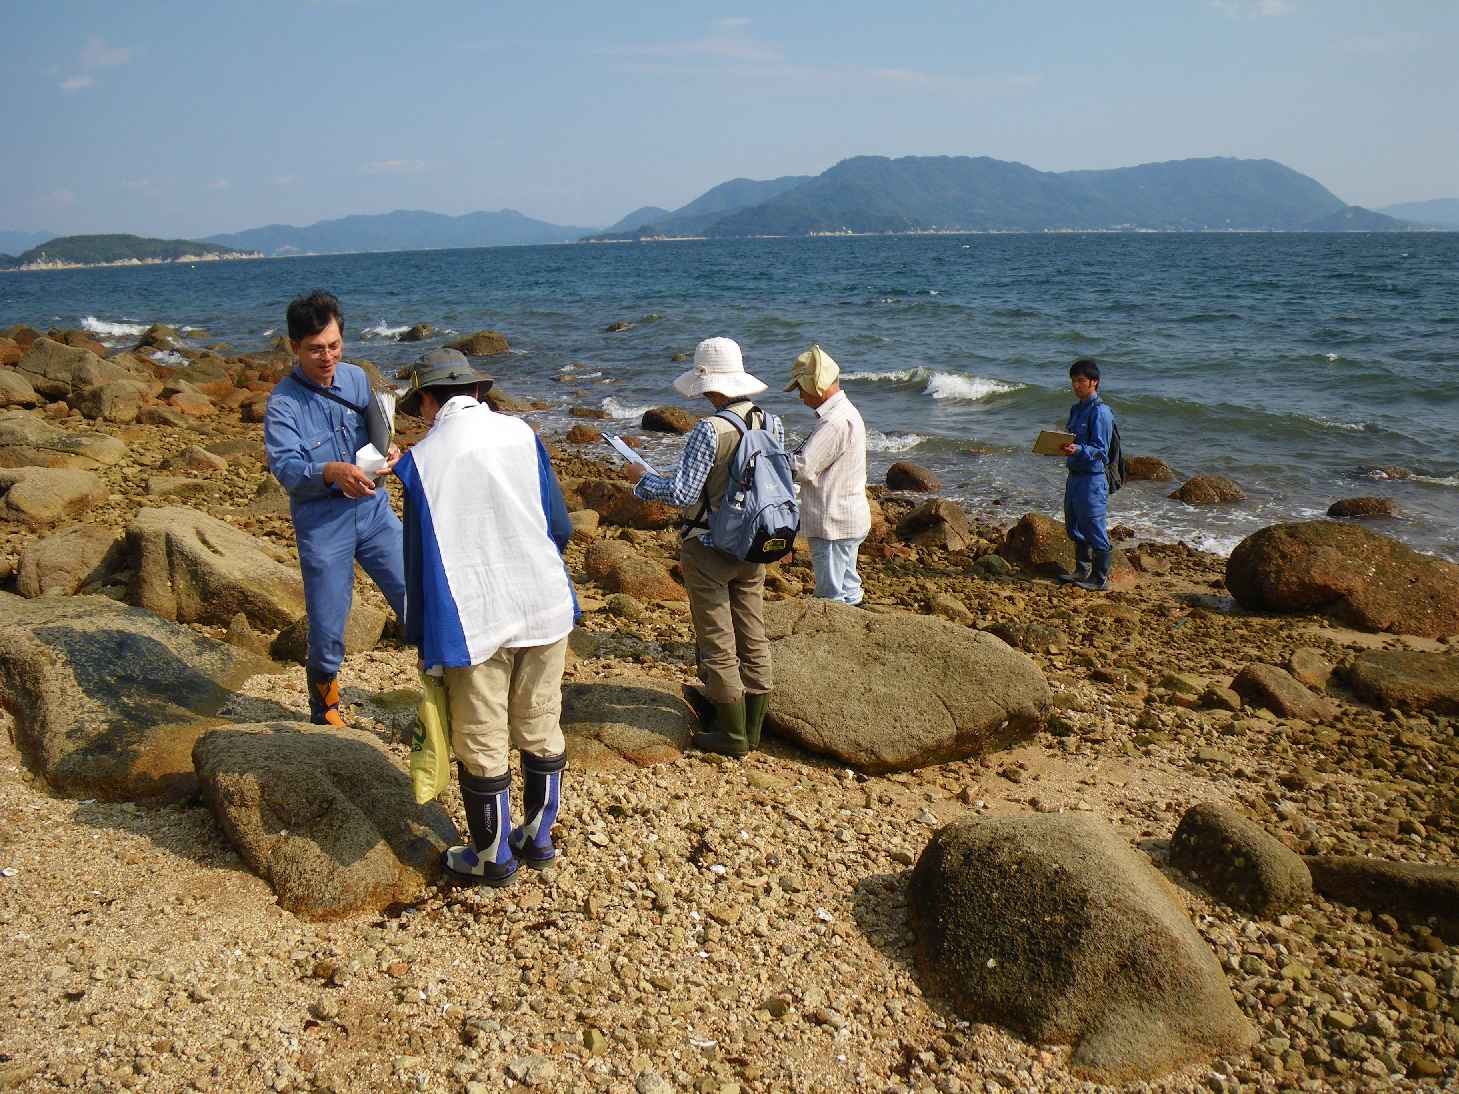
541,801
1083,562
1098,579
489,859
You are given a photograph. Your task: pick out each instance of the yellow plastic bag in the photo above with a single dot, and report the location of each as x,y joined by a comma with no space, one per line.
430,748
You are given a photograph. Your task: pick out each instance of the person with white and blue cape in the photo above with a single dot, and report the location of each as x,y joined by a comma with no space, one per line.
489,605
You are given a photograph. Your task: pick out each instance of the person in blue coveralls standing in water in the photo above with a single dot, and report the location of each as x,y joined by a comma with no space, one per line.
1086,493
315,423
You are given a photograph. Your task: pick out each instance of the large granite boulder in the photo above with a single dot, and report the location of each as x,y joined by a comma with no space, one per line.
362,632
912,477
68,561
618,568
56,370
667,419
1408,680
1281,693
1361,578
1052,925
108,699
1417,892
118,401
615,503
937,523
194,568
1364,508
892,692
625,721
1149,469
29,441
1239,861
1039,544
41,496
325,816
15,390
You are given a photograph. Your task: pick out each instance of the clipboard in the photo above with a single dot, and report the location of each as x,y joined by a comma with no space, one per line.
1051,443
380,420
615,442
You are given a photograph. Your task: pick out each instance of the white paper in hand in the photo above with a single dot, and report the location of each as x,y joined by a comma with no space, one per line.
616,443
370,461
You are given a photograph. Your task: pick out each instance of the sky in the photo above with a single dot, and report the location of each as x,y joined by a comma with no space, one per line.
188,120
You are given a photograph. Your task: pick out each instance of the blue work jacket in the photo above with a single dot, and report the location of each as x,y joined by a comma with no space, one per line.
303,430
1092,424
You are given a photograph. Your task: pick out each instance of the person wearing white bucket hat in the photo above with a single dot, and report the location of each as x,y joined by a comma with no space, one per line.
726,595
831,468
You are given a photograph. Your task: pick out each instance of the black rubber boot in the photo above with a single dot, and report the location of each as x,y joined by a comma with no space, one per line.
1098,580
728,738
700,704
323,697
541,801
488,802
755,706
1083,561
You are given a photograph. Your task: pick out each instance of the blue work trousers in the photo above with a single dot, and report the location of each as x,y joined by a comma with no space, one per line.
834,562
1086,509
333,533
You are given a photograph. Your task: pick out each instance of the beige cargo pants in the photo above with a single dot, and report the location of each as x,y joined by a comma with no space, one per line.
511,700
726,601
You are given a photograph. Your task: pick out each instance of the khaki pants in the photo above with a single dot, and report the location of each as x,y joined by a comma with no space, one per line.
726,600
512,699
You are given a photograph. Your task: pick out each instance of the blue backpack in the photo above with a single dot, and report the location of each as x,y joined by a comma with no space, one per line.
759,516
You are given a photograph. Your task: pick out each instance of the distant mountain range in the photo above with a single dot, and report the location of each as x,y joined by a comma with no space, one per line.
114,250
950,193
402,230
1439,213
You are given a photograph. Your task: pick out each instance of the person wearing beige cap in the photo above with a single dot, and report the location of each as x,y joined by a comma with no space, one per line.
726,595
831,469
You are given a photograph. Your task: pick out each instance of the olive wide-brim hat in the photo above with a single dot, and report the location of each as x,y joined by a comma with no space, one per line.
439,368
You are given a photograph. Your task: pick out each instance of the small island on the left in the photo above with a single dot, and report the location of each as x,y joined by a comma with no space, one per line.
72,252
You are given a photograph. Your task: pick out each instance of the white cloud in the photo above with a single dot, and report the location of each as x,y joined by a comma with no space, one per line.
94,56
218,184
1254,9
393,167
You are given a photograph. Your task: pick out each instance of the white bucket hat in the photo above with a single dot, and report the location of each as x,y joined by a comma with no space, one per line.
719,367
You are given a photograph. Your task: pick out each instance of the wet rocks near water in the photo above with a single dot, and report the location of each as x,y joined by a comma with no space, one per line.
323,815
417,332
1276,690
1052,925
1365,508
584,434
1040,544
484,343
667,419
1239,862
1209,490
27,441
905,475
910,705
109,699
615,503
1408,680
191,567
1149,469
623,720
1361,578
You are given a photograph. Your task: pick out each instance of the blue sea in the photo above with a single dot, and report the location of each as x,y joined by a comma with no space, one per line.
1290,363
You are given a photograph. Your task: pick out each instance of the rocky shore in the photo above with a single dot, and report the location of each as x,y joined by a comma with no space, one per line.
966,859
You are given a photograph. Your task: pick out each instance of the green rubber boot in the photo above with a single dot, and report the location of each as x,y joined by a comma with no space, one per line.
728,736
755,706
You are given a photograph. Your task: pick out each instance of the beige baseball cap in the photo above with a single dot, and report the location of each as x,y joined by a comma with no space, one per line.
814,370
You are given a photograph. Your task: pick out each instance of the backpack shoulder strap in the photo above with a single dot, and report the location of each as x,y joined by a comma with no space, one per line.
331,396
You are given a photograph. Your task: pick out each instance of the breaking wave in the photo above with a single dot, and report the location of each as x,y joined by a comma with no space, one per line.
384,330
109,329
953,385
892,442
625,410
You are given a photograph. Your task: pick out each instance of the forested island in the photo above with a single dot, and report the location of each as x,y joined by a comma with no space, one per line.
67,252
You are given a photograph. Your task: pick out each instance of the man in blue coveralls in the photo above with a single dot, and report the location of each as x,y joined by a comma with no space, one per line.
1086,494
314,426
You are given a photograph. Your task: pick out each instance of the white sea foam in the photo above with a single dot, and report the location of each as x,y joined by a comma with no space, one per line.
877,441
1434,480
898,376
268,333
384,330
1335,423
109,329
1332,358
170,358
624,410
952,385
